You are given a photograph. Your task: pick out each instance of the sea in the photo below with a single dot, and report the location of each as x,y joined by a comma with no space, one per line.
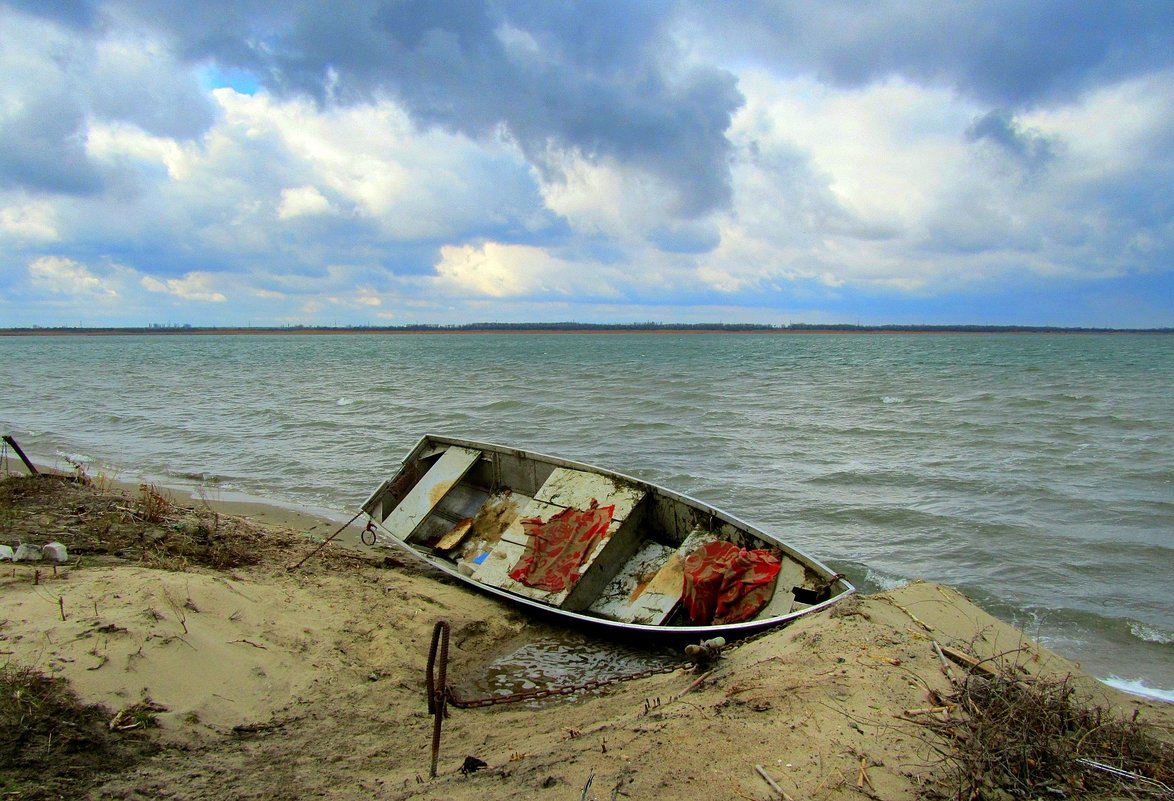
1034,472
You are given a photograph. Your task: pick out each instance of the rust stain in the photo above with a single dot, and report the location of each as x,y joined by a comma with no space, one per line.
641,586
494,517
439,491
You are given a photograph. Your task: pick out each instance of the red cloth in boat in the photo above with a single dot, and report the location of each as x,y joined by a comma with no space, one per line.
556,548
727,584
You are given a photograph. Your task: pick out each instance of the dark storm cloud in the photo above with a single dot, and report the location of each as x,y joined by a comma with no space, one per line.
65,75
1004,53
43,148
598,79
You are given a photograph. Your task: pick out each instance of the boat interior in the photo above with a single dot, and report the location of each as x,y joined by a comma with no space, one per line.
463,508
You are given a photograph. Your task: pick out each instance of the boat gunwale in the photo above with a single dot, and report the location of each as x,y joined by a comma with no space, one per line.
743,627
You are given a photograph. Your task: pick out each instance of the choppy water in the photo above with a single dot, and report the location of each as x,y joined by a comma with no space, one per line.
1033,472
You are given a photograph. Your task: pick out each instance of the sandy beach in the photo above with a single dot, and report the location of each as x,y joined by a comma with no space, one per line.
251,680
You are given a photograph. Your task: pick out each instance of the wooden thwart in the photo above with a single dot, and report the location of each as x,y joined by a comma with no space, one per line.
430,491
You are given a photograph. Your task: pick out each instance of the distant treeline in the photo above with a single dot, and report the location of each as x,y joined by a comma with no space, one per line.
169,330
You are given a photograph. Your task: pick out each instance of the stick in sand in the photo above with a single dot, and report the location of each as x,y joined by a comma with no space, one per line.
773,784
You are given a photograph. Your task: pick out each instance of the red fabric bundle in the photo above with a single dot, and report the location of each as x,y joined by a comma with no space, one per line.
558,546
727,584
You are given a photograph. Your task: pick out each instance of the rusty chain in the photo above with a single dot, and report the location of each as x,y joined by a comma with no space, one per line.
440,694
562,690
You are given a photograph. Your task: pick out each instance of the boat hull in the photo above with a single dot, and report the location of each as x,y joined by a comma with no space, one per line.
465,508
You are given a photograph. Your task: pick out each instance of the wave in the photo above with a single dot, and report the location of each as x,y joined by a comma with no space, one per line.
1151,633
1139,687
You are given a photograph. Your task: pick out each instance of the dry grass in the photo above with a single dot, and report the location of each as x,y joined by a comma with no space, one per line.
153,505
51,744
148,528
1014,738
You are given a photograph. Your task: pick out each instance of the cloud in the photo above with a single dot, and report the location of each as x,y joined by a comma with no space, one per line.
1003,53
32,221
62,276
502,271
193,286
70,80
301,201
558,79
302,162
1002,129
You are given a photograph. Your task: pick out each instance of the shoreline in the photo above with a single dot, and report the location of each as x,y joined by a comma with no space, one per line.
317,525
684,329
254,680
312,522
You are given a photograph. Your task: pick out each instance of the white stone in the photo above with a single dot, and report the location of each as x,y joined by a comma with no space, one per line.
27,553
6,553
55,552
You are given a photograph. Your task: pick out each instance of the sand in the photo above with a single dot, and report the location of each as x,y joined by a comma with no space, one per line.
310,683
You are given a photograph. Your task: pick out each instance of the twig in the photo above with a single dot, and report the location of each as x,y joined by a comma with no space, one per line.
966,660
587,786
1124,774
945,665
912,616
773,784
862,779
926,710
250,642
696,683
325,542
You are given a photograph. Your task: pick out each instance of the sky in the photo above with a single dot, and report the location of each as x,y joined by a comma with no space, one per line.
398,162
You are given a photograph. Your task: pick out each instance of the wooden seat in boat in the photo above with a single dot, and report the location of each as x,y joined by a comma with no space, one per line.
563,489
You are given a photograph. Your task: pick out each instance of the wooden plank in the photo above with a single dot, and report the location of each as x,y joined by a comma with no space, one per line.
631,597
649,587
577,489
429,491
494,569
565,488
791,574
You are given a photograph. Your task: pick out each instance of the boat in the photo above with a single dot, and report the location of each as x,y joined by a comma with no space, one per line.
590,545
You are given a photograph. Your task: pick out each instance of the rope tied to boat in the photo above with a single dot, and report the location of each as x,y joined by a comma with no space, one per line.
327,541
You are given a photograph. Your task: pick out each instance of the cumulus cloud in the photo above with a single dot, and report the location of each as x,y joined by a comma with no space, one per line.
1005,52
63,276
70,79
300,201
193,286
599,80
29,221
501,271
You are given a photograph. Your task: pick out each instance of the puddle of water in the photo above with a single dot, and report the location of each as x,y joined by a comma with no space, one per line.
559,660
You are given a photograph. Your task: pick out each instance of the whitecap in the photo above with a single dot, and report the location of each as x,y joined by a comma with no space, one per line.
76,458
1139,687
882,582
889,399
1151,634
343,402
